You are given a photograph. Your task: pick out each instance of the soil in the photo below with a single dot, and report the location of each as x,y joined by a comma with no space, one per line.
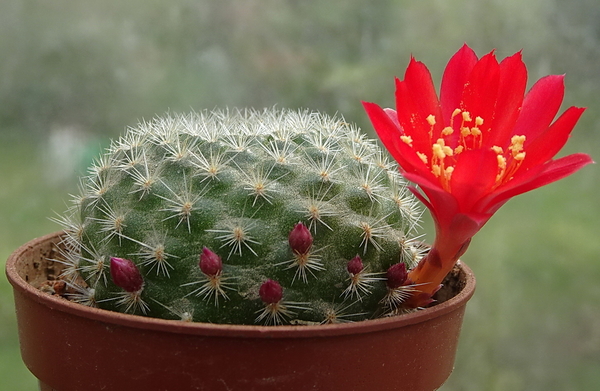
451,286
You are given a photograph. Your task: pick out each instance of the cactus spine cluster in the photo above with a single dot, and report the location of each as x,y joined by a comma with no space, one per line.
242,217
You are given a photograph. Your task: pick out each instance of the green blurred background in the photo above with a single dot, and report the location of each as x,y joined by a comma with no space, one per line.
74,73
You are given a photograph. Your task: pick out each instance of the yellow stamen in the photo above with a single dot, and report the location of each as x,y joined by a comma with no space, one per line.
447,131
458,149
422,156
464,131
520,156
498,150
501,162
438,151
501,169
454,114
407,140
516,147
509,163
478,121
516,144
466,116
431,119
475,132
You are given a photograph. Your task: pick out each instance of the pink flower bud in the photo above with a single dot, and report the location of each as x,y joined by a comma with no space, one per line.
210,263
270,292
397,276
355,266
125,274
300,239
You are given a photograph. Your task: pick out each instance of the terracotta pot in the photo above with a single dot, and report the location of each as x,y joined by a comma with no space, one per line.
70,347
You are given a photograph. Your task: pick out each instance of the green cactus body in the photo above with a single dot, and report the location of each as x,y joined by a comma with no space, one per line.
204,206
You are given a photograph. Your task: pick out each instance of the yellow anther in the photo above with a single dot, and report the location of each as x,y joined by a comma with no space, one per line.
519,156
475,132
422,156
466,116
478,121
501,162
454,114
448,171
438,151
407,140
436,170
498,150
458,149
518,139
431,119
516,143
447,131
464,131
447,151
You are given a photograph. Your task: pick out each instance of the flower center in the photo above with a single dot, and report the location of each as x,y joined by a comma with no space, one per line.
442,157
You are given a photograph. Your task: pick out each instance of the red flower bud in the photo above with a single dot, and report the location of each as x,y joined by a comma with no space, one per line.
270,292
355,266
397,276
210,263
125,274
300,239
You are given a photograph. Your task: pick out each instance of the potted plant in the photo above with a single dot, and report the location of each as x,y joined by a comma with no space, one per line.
277,247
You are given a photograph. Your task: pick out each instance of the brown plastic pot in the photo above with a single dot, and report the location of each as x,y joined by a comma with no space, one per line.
71,347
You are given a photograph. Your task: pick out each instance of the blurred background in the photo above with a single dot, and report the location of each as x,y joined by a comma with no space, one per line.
75,73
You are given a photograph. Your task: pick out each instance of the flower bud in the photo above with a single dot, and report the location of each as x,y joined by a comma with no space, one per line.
300,239
270,292
355,265
397,276
210,263
125,274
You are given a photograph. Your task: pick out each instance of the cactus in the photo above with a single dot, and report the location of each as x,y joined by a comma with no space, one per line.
242,217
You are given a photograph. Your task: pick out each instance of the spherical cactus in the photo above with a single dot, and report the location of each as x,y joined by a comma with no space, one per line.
245,217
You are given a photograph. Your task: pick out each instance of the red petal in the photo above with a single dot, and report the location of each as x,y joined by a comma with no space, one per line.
453,82
552,140
394,117
473,177
513,81
415,101
465,226
442,205
481,91
545,174
539,107
389,134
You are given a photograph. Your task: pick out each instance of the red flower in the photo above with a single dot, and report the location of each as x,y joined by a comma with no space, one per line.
481,143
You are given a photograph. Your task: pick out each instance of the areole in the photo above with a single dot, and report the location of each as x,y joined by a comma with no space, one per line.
71,347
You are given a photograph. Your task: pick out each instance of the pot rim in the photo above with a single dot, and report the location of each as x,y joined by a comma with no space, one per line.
225,330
